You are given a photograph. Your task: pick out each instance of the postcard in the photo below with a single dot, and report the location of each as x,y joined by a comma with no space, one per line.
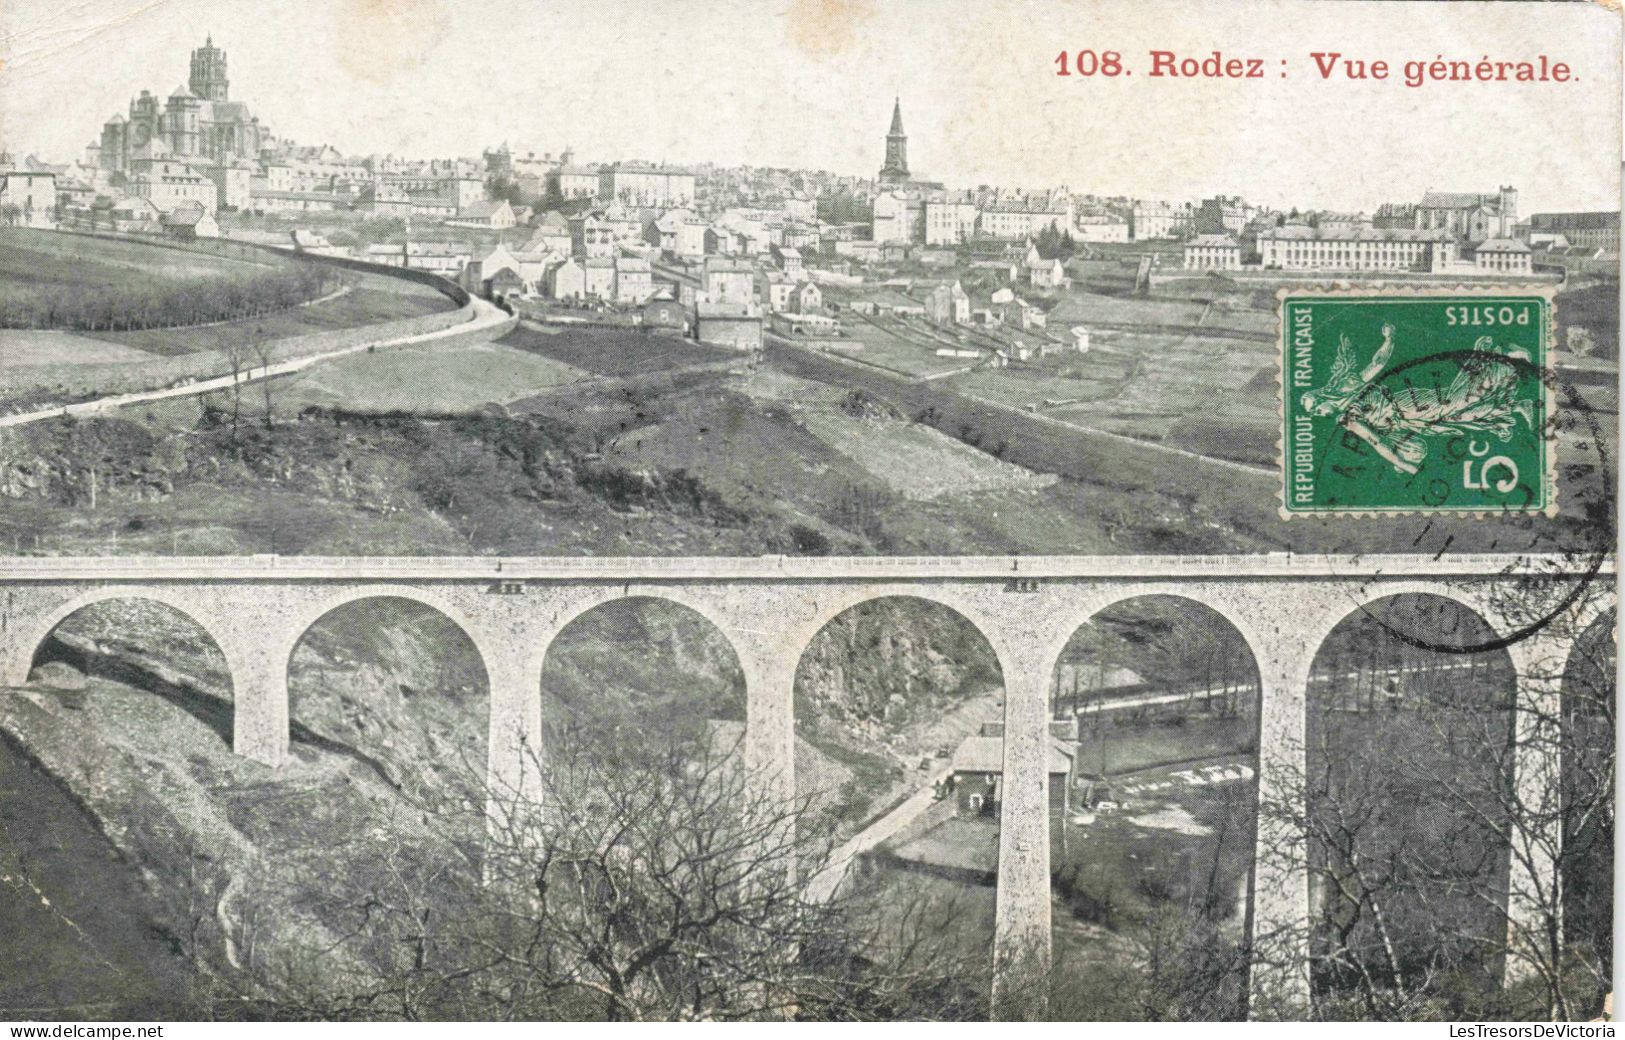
808,510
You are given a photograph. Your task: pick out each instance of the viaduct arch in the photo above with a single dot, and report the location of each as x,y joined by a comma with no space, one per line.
769,609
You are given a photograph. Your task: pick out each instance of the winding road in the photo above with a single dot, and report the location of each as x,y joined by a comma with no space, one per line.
824,884
485,316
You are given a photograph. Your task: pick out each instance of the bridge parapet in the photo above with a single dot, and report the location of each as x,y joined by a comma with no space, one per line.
1288,566
770,609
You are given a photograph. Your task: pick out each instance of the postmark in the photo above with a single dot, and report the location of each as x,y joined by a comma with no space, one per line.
1426,401
1554,562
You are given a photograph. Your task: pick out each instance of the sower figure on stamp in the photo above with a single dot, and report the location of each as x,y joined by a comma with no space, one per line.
1480,399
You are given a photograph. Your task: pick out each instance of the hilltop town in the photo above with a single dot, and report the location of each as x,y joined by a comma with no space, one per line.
745,251
1018,345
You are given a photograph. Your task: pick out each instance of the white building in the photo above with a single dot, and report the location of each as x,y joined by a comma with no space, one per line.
729,281
1025,217
1161,220
171,184
637,184
28,198
1212,252
1598,230
576,182
1299,248
899,216
950,220
1100,227
1502,254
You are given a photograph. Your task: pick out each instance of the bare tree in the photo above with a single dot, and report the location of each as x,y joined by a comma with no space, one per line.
261,348
653,882
1443,826
239,364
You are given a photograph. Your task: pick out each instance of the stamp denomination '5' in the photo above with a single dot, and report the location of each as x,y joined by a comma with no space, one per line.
1415,402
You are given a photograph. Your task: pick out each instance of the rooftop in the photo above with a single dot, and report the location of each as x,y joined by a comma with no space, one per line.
1299,233
1460,199
986,755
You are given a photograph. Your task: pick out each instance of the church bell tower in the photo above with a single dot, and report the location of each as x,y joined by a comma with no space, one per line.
208,79
895,171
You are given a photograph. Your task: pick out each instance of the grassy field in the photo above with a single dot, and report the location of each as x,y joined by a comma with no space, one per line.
1092,377
62,281
32,261
50,347
1228,435
614,352
427,379
736,447
965,843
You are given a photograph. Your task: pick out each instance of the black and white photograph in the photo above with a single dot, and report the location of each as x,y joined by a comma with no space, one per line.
808,511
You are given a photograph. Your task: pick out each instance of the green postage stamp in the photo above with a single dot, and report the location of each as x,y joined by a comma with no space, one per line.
1420,401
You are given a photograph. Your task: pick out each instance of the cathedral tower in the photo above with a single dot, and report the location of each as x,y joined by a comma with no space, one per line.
208,80
895,171
180,123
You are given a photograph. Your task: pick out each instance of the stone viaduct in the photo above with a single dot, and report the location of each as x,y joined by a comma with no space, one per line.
769,608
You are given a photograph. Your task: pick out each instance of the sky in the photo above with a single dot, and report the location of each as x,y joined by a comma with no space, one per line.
810,83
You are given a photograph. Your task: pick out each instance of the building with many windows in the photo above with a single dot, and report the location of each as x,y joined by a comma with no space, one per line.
1161,220
899,216
1015,217
1597,230
1502,255
1212,252
169,183
951,219
575,182
1100,226
641,184
1299,248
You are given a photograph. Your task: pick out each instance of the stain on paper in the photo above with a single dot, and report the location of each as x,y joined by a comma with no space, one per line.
825,28
380,39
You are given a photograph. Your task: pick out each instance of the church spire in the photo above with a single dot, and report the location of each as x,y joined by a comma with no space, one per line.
895,170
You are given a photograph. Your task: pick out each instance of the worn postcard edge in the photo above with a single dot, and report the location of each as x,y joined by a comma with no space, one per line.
1544,290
